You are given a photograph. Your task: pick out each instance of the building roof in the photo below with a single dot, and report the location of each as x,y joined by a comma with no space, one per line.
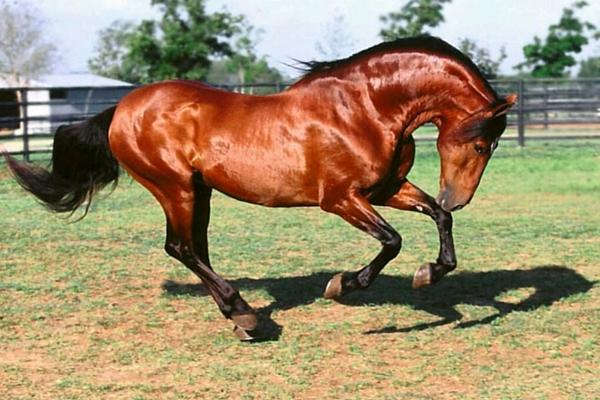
66,80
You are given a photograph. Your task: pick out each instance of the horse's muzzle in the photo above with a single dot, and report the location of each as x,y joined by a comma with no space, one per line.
448,202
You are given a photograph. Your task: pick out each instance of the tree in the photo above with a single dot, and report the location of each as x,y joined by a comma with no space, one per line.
337,40
414,19
179,45
590,68
244,63
111,52
553,56
489,67
24,51
183,44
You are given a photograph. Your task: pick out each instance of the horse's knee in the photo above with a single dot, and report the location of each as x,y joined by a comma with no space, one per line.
393,243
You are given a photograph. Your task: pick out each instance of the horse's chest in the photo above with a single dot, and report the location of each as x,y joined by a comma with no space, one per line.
397,168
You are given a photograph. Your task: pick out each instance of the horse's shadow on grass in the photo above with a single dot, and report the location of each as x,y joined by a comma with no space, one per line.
545,284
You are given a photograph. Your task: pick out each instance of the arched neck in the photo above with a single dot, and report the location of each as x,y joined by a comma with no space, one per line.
411,89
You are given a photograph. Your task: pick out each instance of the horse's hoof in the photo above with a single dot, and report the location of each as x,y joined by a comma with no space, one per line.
423,276
242,334
334,287
246,322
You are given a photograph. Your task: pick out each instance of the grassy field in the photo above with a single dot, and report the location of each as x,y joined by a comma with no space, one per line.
97,310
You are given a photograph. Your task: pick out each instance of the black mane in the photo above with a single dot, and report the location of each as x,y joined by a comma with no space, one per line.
425,43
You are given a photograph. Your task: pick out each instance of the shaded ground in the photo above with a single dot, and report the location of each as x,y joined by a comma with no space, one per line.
545,285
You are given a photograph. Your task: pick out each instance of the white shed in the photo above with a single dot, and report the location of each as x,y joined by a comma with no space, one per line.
60,97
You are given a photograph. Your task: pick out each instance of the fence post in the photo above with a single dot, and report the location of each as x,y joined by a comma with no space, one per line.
25,124
521,113
545,104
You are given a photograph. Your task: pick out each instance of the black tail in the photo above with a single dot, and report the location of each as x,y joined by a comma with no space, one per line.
82,164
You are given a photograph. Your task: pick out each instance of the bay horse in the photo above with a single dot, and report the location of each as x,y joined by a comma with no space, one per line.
339,138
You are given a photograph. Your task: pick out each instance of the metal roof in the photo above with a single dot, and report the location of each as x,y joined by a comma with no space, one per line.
66,80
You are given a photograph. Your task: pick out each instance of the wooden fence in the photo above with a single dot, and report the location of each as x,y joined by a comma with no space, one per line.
547,109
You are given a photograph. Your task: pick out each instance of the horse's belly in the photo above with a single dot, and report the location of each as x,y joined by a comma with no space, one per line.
262,182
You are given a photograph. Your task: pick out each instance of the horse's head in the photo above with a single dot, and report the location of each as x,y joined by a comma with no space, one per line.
465,148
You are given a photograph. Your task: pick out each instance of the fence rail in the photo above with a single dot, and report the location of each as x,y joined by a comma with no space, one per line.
29,116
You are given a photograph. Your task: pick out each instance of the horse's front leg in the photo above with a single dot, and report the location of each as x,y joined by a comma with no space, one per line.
411,198
356,209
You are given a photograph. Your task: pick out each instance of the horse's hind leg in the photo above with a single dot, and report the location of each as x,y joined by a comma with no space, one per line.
231,304
411,198
201,218
176,249
356,209
187,211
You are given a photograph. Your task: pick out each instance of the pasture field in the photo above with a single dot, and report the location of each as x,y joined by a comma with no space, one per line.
96,310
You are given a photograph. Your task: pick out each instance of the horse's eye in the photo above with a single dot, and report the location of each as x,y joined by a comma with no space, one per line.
480,149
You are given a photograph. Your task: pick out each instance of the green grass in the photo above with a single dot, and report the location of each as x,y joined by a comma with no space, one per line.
97,310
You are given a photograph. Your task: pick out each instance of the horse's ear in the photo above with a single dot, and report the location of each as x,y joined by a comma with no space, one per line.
502,107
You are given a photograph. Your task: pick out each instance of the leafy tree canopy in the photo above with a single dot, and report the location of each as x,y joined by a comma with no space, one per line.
590,68
243,65
415,18
183,44
24,51
488,66
111,52
555,54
